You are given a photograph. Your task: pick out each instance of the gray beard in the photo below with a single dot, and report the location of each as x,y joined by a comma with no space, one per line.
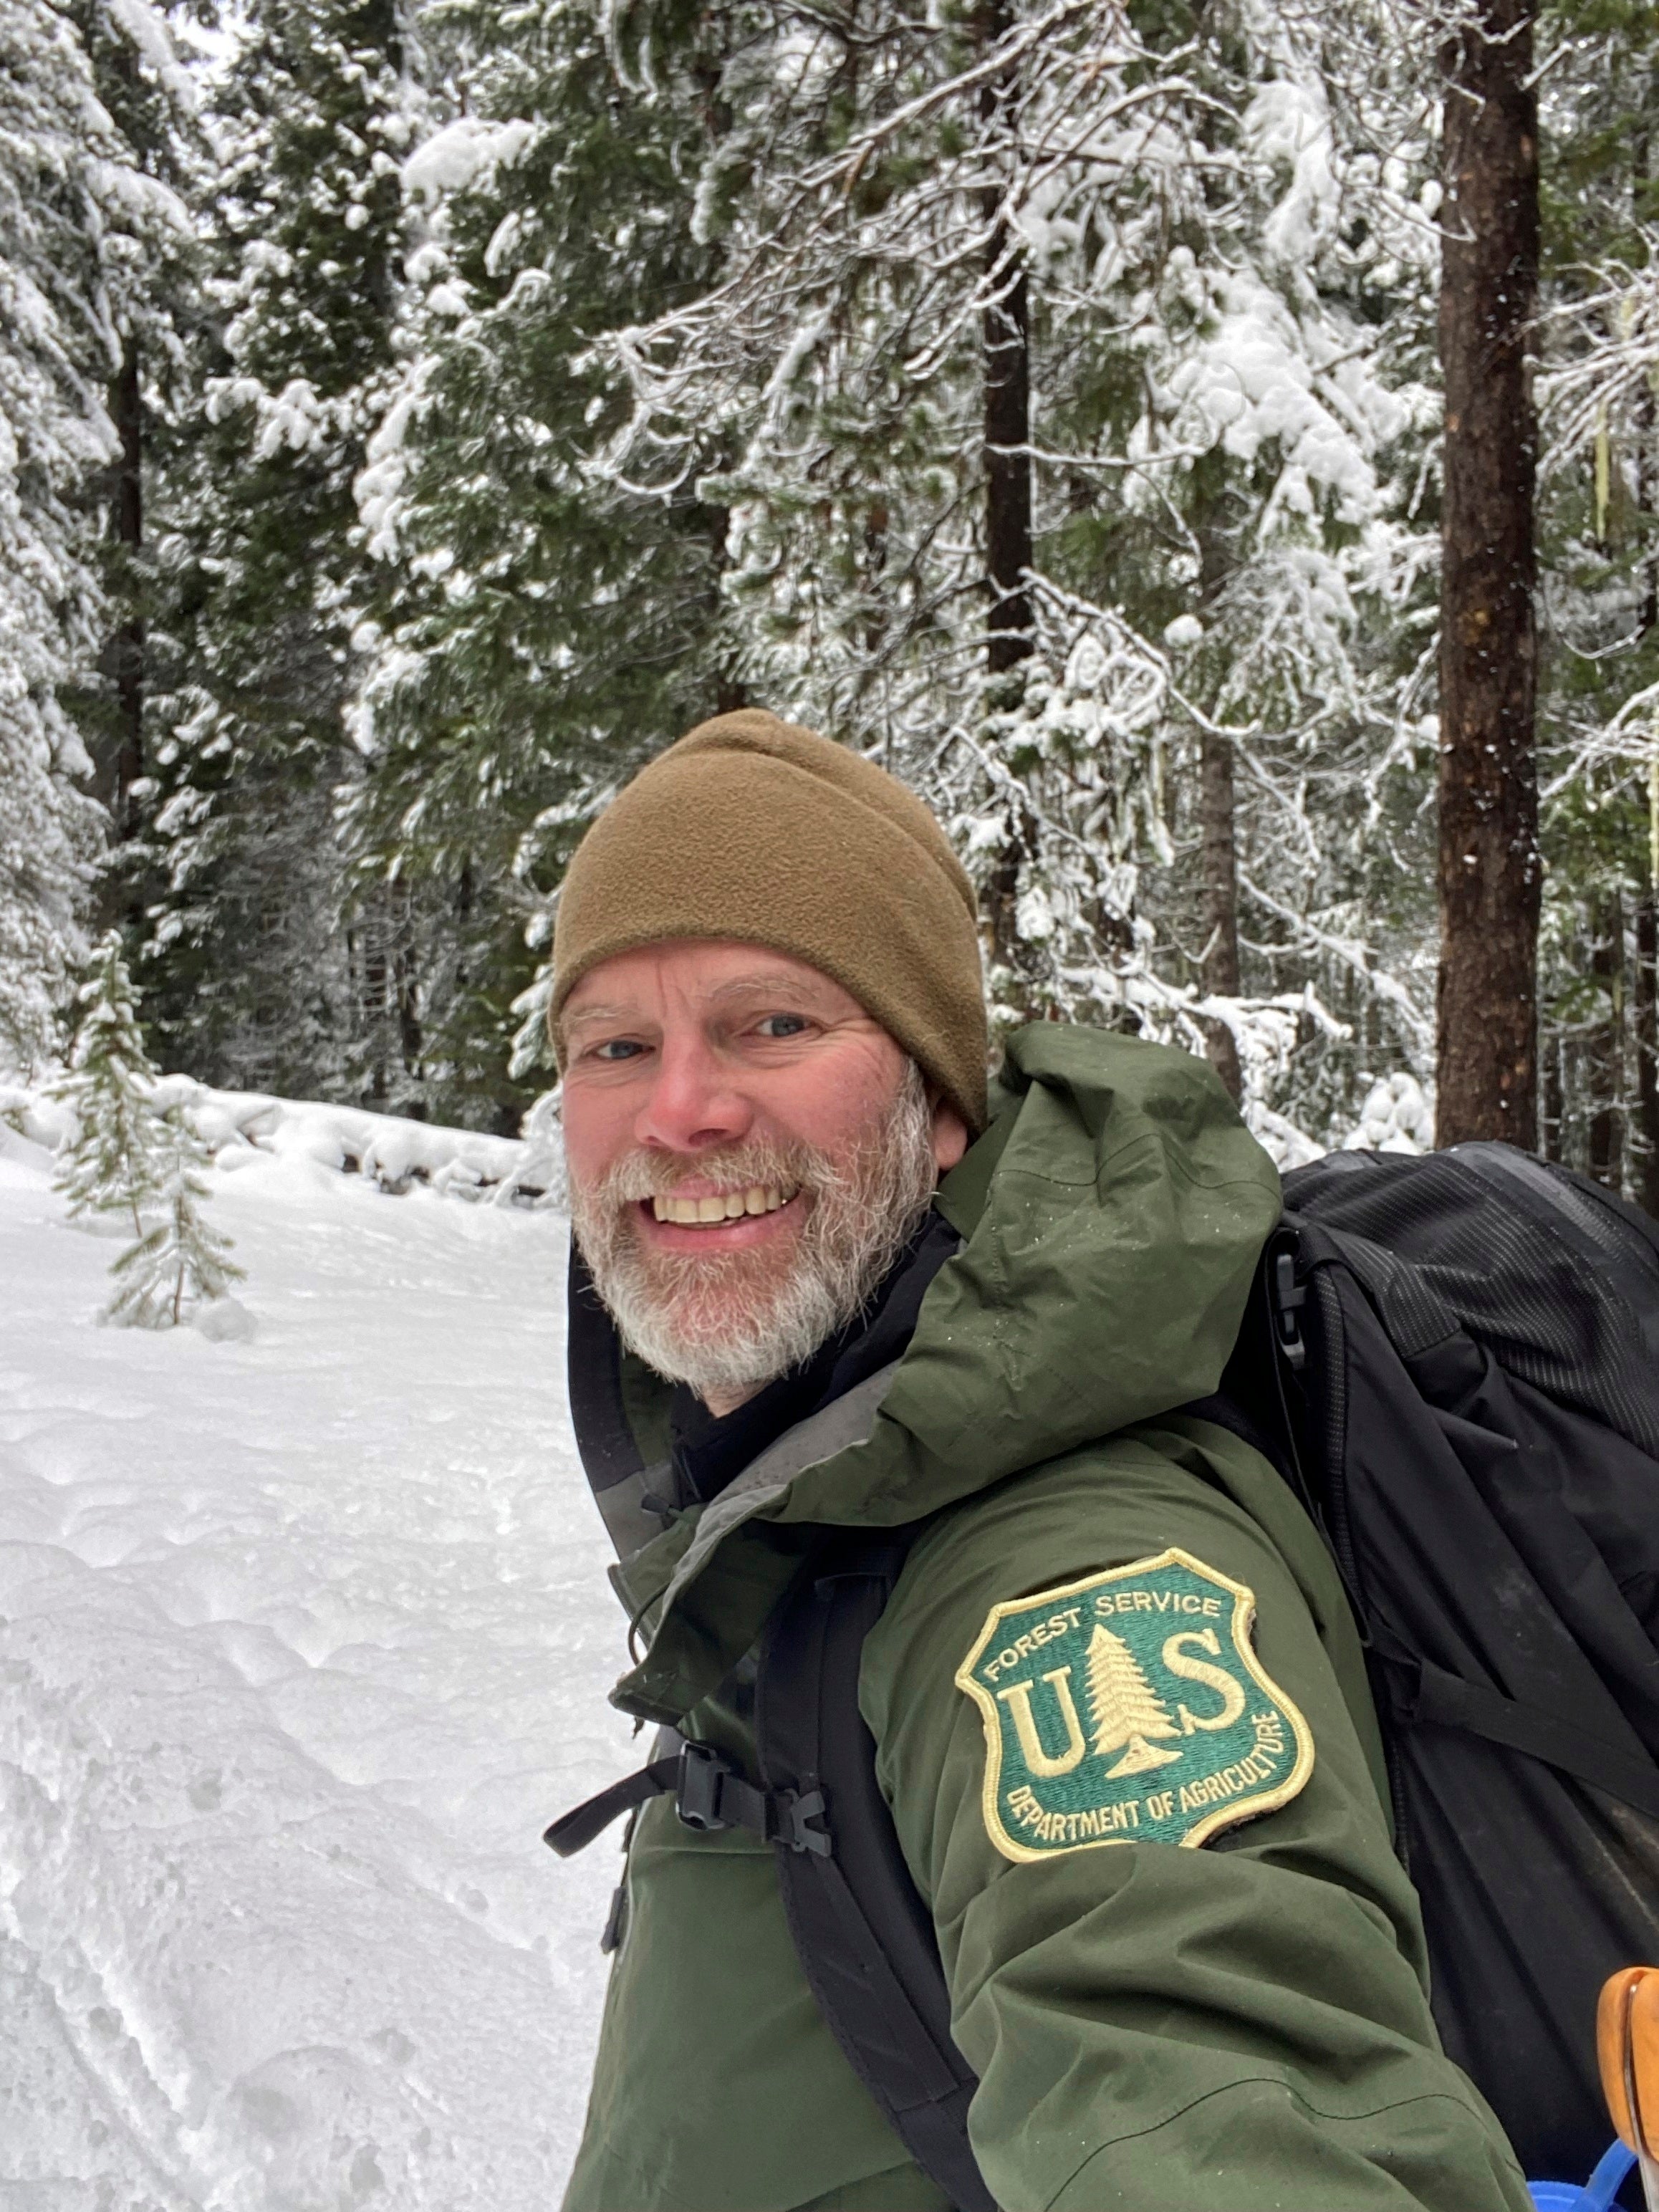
735,1321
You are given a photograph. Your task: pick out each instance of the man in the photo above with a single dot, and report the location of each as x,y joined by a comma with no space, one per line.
825,1281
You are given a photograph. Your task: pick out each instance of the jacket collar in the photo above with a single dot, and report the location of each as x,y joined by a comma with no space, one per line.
1111,1216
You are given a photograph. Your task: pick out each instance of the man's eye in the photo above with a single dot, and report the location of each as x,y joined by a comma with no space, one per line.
615,1048
782,1025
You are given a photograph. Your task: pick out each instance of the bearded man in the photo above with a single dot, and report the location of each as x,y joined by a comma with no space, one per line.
823,1282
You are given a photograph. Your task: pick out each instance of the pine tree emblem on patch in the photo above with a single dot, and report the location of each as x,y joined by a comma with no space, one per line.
1130,1708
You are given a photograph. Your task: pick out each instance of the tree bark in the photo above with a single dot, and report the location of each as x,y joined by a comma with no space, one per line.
1006,349
1646,1008
1551,1132
1607,1054
1221,965
128,646
1647,1047
1489,874
1007,462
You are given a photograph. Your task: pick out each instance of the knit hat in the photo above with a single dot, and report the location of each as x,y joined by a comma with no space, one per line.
755,829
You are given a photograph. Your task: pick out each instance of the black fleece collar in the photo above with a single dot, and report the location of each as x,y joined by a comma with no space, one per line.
707,1452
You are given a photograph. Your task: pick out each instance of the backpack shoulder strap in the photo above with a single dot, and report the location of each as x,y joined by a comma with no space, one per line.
864,1936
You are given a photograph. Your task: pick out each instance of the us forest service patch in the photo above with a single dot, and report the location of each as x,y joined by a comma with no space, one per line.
1130,1708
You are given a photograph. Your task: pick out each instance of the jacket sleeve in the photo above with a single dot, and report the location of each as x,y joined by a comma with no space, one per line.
1243,2025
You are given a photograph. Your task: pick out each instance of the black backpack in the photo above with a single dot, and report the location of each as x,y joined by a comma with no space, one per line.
1454,1359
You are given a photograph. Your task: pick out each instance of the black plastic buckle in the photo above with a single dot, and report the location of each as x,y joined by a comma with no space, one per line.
698,1792
1289,1298
801,1809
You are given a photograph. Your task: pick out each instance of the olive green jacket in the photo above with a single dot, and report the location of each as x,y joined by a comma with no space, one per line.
1227,2028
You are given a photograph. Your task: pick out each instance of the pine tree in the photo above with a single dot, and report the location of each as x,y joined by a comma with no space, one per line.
1124,1710
154,303
113,1163
1138,300
535,634
1598,611
78,221
250,973
181,1262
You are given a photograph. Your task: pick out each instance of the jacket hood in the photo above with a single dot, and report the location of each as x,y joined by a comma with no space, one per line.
1112,1215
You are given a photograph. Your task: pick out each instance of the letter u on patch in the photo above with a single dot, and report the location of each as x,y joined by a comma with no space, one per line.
1123,1733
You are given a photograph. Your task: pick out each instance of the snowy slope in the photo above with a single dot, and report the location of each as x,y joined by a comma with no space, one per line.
302,1640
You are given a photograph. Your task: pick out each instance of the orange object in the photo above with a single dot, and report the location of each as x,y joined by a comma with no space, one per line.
1627,2046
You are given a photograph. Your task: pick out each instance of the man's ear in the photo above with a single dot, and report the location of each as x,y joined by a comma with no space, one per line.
950,1134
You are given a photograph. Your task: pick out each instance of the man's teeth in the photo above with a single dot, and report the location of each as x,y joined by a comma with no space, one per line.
727,1207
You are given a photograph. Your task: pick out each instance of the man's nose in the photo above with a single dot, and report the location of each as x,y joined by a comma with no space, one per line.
694,1104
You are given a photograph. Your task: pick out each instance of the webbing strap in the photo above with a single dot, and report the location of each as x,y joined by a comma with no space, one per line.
708,1793
575,1831
864,1934
1419,1691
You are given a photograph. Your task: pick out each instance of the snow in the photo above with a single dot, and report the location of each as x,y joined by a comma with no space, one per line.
305,1636
241,1126
456,156
1396,1117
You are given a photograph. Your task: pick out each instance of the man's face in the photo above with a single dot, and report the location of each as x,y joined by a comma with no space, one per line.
748,1149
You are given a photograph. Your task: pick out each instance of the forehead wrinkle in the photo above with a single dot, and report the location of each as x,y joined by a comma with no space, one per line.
774,982
572,1016
768,982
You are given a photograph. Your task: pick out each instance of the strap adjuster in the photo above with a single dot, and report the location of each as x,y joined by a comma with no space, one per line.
708,1793
699,1788
800,1809
1289,1297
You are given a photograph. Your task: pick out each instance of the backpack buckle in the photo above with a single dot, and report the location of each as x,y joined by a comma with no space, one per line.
1289,1297
799,1809
698,1791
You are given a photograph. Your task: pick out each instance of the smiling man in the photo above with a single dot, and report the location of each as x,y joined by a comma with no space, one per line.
823,1283
750,1153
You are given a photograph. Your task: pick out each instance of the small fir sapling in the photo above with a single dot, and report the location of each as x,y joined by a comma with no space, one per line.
181,1262
113,1163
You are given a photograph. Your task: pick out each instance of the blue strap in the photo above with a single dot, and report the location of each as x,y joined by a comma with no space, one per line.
1597,2194
1615,2162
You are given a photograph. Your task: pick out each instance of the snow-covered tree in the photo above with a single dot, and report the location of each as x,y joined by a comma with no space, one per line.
1063,384
1598,509
77,218
251,971
532,634
1041,396
113,1163
152,277
181,1262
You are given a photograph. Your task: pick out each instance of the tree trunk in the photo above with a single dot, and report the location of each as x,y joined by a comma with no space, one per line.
1647,1046
126,407
1489,876
1646,1010
373,999
1221,967
1007,346
1552,1133
1606,1053
1008,462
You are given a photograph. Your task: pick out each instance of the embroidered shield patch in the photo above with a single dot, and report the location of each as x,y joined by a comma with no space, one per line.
1130,1708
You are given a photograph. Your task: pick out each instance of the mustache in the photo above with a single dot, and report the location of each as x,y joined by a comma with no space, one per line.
760,1161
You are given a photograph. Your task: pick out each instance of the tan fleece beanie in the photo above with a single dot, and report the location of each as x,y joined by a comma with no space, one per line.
755,830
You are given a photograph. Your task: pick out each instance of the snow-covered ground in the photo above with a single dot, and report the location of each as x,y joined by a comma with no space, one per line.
304,1636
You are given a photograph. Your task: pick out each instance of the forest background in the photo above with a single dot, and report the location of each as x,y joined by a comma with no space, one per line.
416,413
